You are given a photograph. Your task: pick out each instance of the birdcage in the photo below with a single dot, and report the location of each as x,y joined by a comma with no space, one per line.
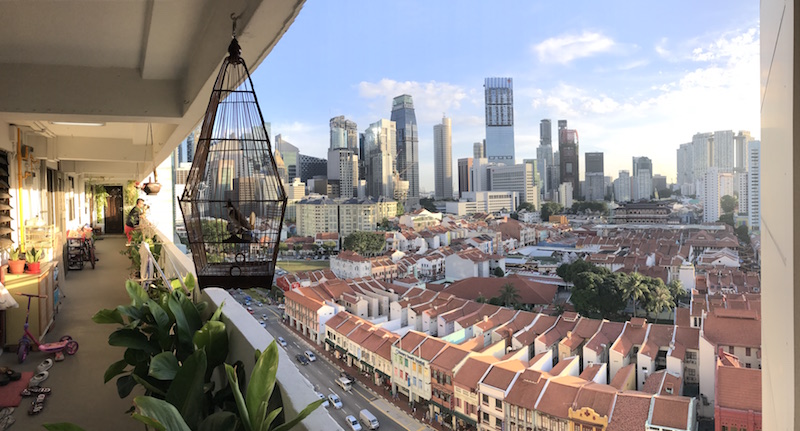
234,202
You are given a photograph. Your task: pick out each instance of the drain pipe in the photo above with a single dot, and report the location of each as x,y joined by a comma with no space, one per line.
19,191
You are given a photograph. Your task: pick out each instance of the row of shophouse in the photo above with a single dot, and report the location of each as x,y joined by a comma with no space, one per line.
429,346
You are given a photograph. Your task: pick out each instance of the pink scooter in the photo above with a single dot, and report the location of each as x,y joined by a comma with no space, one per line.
66,344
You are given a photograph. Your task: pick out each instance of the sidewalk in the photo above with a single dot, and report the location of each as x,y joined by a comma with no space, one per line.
399,409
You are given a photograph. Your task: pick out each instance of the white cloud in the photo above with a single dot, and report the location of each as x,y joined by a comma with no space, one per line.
661,48
431,99
565,48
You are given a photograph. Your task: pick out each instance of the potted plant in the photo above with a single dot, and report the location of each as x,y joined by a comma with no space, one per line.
33,256
15,264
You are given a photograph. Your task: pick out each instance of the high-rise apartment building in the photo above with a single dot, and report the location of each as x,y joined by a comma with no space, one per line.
702,145
568,151
379,141
544,154
343,172
659,182
685,179
622,187
711,195
407,142
565,194
499,99
723,151
740,143
344,133
595,177
742,187
479,150
443,160
515,178
754,180
642,179
464,176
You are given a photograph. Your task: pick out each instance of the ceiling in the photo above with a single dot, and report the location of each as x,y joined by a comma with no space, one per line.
123,64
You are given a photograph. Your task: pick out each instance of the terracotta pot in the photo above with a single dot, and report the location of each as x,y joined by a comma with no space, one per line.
34,267
16,266
152,188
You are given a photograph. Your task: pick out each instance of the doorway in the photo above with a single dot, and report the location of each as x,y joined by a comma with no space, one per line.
113,213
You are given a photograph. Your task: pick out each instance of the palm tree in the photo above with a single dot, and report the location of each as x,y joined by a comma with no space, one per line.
634,289
659,298
509,295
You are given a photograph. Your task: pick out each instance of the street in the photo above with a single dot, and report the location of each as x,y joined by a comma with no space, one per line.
322,374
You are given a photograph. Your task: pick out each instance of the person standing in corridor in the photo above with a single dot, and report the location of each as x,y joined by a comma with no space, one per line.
132,220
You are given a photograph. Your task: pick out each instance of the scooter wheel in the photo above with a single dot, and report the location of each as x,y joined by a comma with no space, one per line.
66,338
22,351
72,347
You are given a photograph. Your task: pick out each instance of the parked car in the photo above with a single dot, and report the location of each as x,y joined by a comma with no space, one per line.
334,399
263,317
353,423
310,355
301,359
325,402
281,306
263,324
281,341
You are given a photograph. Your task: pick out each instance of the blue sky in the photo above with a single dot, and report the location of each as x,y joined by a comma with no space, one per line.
634,78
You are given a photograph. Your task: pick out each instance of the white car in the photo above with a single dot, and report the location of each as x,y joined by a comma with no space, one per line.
354,425
325,402
263,324
334,399
310,355
281,341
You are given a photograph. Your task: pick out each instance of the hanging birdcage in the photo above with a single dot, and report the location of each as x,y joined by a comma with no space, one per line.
234,201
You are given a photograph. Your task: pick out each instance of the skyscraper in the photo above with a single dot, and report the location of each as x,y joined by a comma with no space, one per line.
479,150
290,154
344,133
741,140
595,181
464,173
544,154
569,151
407,142
443,160
702,155
723,150
622,187
754,179
379,139
642,180
499,97
686,169
711,195
343,171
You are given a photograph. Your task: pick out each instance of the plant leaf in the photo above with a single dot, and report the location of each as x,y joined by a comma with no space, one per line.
62,426
219,421
237,395
261,383
149,422
125,385
136,292
183,330
149,386
190,311
213,338
270,417
189,281
114,370
131,338
186,391
159,410
300,416
217,313
108,316
133,312
164,366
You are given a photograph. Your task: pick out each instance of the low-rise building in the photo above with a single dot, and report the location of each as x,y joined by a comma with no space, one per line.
348,264
737,399
308,315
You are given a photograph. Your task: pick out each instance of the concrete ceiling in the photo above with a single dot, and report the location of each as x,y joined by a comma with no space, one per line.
124,64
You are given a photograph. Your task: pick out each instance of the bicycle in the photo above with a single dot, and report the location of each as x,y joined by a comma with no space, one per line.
87,251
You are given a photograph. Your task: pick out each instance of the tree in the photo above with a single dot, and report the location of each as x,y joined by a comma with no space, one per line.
509,295
364,243
568,271
665,193
659,297
676,290
598,294
634,289
551,208
400,209
726,218
743,234
728,204
329,246
591,206
282,247
298,246
385,224
498,272
527,206
427,203
481,299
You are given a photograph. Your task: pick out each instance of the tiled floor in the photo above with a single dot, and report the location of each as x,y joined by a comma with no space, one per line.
79,395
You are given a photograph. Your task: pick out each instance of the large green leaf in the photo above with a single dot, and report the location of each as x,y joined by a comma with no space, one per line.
217,313
114,370
261,383
193,317
163,323
125,385
233,380
161,411
149,422
183,330
189,281
136,292
133,312
219,421
108,316
150,385
62,426
131,338
300,416
214,339
164,366
186,392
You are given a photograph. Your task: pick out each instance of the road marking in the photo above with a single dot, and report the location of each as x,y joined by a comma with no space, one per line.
387,413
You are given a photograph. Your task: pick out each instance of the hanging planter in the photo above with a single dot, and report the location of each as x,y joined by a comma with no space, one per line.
151,188
234,202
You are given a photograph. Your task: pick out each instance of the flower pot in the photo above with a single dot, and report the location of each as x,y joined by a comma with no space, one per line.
16,266
152,188
34,267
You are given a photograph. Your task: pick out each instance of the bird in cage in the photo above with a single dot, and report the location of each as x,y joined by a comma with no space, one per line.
238,224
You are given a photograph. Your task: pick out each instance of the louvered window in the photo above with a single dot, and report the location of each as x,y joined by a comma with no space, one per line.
5,204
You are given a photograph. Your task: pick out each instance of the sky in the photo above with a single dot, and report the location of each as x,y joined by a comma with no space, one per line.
633,78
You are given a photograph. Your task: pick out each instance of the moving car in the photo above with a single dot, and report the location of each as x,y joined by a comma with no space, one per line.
281,341
263,324
368,419
344,383
281,306
354,425
310,355
325,402
263,317
334,399
301,359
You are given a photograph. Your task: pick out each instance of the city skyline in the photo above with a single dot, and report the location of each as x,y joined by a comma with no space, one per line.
631,83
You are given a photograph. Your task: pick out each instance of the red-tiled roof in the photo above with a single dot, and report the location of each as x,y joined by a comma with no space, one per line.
622,376
527,388
738,388
449,358
542,324
530,292
502,373
607,334
598,397
471,372
558,331
308,303
429,348
631,411
633,334
671,411
411,340
736,328
559,395
590,372
563,364
658,337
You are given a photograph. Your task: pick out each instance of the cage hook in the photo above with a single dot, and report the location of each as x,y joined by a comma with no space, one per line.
234,19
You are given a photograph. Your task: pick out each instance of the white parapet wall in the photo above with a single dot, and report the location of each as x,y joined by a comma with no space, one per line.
246,335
